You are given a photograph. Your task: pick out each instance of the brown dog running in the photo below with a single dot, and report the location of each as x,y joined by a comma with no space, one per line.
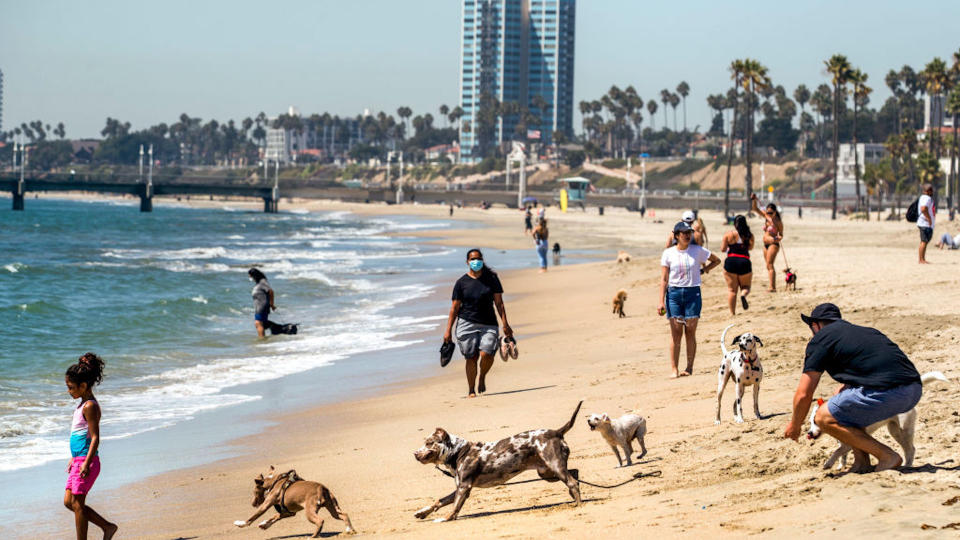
619,300
492,464
287,493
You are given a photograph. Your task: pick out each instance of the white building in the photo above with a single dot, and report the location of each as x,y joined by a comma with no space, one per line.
866,153
283,145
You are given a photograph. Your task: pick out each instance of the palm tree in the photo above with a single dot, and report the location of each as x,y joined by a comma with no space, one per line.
405,113
754,79
839,67
911,84
665,99
444,111
674,102
936,81
652,109
953,107
684,90
802,95
585,109
892,80
737,68
861,93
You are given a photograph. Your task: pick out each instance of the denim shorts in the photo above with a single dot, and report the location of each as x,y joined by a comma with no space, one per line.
860,407
926,233
475,337
683,303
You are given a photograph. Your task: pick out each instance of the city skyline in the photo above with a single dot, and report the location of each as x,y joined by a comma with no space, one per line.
80,64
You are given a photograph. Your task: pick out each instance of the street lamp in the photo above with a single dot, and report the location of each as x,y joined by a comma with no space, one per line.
141,163
643,177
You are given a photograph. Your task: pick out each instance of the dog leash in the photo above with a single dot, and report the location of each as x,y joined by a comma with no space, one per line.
637,476
785,261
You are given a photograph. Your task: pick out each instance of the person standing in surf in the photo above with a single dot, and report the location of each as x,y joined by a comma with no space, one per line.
262,301
475,295
84,464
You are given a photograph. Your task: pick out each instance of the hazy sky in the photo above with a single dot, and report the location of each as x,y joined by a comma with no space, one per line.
79,62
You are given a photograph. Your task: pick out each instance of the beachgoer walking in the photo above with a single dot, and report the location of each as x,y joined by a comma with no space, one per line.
699,231
737,268
772,235
876,378
84,464
699,237
262,301
528,221
926,217
540,239
475,295
680,292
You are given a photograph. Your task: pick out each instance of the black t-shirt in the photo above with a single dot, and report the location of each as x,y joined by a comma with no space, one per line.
476,297
859,356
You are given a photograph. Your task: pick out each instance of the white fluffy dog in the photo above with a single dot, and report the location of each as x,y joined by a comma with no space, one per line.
621,432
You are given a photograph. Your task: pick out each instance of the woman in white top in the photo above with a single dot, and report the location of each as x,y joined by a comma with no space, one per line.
680,292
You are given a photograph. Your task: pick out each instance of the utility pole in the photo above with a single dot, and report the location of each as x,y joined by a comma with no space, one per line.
643,178
400,182
141,163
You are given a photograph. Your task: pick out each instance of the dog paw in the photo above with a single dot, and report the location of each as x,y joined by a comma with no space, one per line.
439,520
239,523
716,422
263,524
738,420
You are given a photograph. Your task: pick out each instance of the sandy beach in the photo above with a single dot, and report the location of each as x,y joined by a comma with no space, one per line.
730,480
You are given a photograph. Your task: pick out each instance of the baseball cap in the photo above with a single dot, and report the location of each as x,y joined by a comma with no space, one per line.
823,312
682,226
688,216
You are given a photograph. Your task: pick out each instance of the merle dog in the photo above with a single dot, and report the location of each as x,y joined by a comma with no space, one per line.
477,464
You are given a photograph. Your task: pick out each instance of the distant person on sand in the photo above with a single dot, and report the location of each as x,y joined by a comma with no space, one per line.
772,235
527,221
680,292
84,464
737,268
949,242
262,301
475,295
926,217
540,239
877,381
699,237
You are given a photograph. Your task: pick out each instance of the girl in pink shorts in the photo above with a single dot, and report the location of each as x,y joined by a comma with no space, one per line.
84,464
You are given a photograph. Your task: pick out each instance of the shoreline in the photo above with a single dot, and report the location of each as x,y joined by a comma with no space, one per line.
571,349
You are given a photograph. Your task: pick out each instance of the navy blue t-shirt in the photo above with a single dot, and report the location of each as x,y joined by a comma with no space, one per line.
476,297
859,356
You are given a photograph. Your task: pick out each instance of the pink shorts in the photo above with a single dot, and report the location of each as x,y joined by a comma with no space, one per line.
81,485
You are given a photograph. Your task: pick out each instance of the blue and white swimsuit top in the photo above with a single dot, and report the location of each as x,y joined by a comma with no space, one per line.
79,436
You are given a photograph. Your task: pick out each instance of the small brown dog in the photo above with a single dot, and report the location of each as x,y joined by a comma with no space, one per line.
618,300
287,493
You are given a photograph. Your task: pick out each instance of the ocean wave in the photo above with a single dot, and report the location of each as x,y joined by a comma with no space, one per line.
173,254
14,268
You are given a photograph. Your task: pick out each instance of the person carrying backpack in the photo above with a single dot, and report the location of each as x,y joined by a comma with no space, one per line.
926,217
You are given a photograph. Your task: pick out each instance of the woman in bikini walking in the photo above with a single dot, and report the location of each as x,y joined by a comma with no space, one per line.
772,235
737,268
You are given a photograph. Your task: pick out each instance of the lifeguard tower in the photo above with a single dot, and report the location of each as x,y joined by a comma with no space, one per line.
574,192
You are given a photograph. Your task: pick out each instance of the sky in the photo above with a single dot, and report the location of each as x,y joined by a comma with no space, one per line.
145,63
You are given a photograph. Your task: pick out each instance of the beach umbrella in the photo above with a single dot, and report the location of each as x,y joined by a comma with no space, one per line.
529,199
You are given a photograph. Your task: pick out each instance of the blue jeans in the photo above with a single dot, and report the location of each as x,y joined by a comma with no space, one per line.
683,303
542,253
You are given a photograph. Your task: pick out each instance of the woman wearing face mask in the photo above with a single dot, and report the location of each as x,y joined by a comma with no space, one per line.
475,295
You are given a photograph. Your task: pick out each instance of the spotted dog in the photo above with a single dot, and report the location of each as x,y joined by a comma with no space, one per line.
478,464
743,365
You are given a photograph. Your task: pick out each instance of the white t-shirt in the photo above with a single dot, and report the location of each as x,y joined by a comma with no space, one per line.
684,265
926,201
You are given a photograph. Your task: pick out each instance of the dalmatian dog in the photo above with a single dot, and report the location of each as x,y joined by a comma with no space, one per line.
478,464
743,365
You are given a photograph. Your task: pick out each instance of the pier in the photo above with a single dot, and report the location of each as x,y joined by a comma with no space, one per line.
123,185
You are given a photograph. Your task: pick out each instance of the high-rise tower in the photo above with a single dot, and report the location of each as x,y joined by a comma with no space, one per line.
516,57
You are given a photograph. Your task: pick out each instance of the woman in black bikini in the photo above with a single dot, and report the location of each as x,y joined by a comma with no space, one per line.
737,268
772,235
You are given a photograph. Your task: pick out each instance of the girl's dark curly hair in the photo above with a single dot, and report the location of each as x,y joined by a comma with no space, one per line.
257,275
740,224
88,369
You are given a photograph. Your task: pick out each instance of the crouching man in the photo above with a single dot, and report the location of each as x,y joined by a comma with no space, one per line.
877,381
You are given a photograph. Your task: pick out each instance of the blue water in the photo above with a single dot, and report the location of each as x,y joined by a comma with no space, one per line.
164,298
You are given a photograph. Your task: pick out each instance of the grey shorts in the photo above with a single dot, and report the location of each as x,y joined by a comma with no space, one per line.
474,337
860,407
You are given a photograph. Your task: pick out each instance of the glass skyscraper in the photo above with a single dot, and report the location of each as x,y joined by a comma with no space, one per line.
519,54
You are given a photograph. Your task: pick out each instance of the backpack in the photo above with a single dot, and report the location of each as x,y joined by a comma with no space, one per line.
913,211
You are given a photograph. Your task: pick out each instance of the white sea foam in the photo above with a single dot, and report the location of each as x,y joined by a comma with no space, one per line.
13,268
200,299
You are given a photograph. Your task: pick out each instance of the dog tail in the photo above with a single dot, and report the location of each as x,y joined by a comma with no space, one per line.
723,339
566,427
933,376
